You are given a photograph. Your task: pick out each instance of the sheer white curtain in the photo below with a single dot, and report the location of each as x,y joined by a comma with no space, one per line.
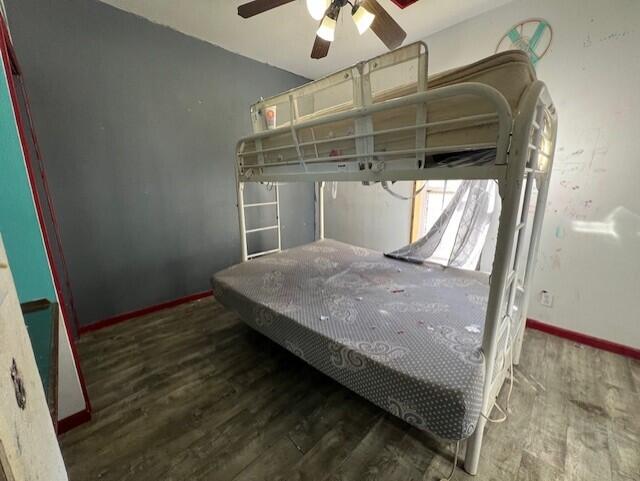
458,236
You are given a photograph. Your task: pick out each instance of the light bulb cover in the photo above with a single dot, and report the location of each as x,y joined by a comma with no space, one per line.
327,29
317,8
362,17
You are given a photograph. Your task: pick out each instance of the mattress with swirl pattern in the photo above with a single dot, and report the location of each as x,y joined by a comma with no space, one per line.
405,336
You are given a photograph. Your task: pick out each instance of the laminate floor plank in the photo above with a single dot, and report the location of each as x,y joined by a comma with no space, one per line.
191,393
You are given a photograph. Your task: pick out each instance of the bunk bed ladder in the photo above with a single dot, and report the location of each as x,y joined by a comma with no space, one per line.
244,232
514,283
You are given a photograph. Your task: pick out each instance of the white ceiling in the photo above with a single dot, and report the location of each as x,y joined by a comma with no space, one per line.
283,37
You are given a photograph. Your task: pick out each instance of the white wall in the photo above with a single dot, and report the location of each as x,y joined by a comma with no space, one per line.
590,248
70,397
368,216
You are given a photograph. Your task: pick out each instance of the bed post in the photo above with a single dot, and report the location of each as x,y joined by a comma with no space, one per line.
538,218
536,228
243,229
510,189
502,274
320,210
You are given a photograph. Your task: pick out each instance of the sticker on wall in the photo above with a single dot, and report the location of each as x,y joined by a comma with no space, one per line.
270,116
532,36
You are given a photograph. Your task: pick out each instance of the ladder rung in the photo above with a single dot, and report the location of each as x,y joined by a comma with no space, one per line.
510,278
262,253
258,204
520,225
260,229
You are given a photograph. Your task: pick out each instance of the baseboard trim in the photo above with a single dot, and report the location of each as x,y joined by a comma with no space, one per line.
73,421
141,312
596,342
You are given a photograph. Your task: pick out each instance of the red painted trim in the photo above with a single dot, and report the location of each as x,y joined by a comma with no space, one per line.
141,312
5,49
596,342
73,421
404,3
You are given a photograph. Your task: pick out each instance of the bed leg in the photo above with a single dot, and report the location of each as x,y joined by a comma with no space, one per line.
474,443
517,347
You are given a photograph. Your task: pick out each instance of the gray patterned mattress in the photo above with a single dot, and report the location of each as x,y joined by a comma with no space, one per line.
405,336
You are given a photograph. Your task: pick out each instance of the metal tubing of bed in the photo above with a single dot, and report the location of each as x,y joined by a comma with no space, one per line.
502,265
321,210
532,162
419,125
476,89
383,153
536,229
364,134
241,220
277,189
495,172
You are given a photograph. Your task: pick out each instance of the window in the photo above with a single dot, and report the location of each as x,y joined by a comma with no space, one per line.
429,207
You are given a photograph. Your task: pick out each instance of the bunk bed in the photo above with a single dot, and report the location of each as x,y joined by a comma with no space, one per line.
433,345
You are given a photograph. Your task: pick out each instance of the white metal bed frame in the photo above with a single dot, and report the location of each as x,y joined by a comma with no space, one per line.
524,154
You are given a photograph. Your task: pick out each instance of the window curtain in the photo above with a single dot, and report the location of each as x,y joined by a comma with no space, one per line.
460,231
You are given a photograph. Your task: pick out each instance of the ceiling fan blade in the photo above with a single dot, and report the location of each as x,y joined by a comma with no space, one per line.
320,48
385,27
250,9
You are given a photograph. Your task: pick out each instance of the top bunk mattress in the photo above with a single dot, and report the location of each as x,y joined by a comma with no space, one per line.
405,336
510,73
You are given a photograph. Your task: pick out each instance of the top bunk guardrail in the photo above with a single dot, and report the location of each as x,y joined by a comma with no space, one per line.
378,120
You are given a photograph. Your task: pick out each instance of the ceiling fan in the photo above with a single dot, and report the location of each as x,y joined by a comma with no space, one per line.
365,13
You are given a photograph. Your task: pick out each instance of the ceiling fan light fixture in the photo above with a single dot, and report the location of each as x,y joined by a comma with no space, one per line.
327,29
317,8
362,17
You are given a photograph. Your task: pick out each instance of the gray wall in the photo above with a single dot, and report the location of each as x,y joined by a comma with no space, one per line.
137,124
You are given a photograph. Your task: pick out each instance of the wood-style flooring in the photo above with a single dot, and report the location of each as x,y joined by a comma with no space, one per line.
191,393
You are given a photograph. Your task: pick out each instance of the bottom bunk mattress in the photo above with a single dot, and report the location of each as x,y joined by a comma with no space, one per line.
405,336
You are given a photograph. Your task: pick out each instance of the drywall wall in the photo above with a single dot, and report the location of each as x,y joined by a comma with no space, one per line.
70,396
137,124
590,247
367,215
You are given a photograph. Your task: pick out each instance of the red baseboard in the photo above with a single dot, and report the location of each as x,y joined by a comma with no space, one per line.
73,421
141,312
596,342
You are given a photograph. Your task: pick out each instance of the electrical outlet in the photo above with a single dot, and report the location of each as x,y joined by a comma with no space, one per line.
546,298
